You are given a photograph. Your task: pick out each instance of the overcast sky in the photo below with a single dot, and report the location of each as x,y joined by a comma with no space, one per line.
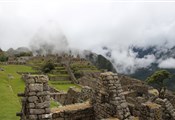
91,25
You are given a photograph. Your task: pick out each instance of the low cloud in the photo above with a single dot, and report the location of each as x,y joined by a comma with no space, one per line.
49,40
55,26
168,63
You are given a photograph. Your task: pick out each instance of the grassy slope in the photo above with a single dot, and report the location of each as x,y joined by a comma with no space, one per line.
9,102
63,87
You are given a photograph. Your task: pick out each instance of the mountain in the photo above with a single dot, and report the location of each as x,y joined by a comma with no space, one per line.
160,54
12,52
99,61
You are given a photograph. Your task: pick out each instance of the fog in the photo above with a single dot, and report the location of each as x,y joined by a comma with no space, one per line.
90,25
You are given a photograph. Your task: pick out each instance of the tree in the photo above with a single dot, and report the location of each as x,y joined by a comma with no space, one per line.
3,57
48,67
158,79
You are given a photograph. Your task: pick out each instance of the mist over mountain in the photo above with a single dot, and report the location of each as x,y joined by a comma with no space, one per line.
132,35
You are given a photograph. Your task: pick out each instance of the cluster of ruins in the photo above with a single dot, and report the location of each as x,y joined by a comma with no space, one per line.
111,97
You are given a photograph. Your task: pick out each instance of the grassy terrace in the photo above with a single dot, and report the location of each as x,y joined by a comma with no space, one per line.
59,75
9,102
63,87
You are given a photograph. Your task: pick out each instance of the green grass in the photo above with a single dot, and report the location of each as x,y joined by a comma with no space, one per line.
9,102
60,82
54,104
58,75
64,87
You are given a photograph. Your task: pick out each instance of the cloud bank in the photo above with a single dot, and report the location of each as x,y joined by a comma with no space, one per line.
90,26
168,63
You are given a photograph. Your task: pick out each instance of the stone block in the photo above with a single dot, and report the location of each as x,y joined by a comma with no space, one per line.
32,99
36,87
42,79
32,93
47,110
36,111
29,81
43,93
46,116
31,105
33,117
109,77
45,87
43,105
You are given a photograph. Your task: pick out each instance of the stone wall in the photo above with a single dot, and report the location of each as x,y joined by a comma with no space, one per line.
36,98
83,111
150,111
59,97
167,109
108,100
89,79
105,101
73,95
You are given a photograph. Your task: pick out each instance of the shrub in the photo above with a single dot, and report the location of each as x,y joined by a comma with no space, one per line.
48,67
3,58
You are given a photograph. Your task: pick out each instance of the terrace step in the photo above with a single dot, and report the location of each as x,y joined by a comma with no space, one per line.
60,82
59,77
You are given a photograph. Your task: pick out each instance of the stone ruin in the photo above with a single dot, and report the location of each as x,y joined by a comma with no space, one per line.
106,101
35,99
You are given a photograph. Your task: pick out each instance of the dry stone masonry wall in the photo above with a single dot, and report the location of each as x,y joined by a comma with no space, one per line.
36,99
105,101
108,98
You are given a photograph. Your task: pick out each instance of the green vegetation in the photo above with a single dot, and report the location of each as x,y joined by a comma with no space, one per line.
54,104
158,79
101,62
22,54
61,82
9,87
58,75
79,68
63,87
3,57
48,67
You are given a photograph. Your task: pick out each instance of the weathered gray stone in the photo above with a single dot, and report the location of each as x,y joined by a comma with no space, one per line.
31,105
36,111
110,78
32,93
36,87
33,117
32,99
43,93
42,79
47,110
44,116
29,81
45,104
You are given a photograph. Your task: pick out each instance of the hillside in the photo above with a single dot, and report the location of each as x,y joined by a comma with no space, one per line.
10,85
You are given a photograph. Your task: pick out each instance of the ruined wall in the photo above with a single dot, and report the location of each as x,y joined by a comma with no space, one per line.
150,111
83,111
73,96
89,79
108,98
168,111
59,97
36,98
